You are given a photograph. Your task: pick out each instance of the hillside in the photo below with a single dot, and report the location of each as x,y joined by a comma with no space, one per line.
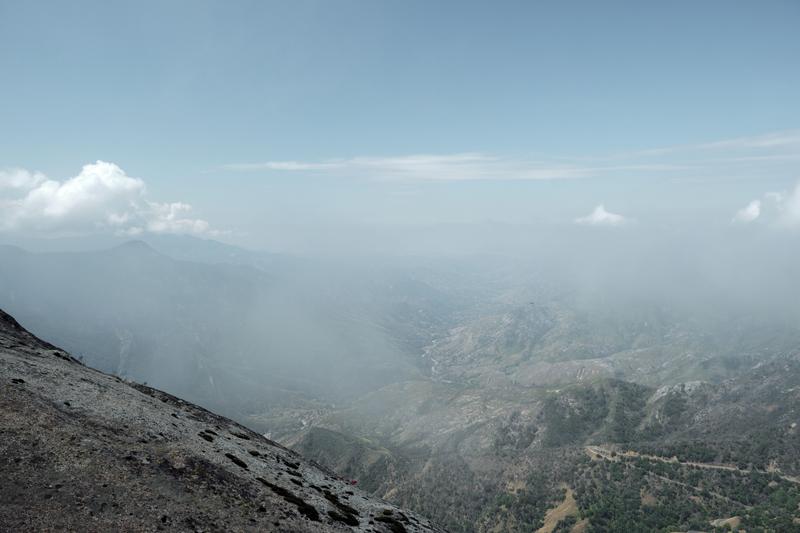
82,450
628,457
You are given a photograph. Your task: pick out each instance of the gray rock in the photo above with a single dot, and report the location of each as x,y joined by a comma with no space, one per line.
85,451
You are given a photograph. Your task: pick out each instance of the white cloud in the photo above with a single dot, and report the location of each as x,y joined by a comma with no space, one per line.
748,213
280,165
789,206
100,198
20,179
601,217
738,157
778,139
424,167
172,218
778,208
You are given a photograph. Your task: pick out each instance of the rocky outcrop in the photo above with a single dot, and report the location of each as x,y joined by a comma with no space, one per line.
85,451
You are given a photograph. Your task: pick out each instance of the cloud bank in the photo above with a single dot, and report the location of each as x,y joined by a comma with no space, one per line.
102,197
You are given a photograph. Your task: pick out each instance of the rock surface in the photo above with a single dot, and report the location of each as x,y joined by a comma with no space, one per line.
85,451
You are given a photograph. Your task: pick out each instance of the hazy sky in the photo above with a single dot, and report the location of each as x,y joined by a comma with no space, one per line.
266,117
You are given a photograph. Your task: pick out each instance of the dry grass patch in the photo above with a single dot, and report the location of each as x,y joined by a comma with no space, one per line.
566,508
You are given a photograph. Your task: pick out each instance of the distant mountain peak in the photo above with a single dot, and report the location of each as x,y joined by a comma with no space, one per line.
135,244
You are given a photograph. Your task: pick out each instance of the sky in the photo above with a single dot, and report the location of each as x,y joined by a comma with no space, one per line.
276,124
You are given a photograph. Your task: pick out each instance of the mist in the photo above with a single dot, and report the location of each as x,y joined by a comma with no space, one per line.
239,329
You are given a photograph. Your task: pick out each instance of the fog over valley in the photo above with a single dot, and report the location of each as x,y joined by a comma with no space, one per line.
400,267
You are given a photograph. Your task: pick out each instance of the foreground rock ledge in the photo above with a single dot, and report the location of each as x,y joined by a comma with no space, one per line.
84,451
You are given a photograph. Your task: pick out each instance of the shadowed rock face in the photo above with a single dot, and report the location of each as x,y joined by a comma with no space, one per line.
84,451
